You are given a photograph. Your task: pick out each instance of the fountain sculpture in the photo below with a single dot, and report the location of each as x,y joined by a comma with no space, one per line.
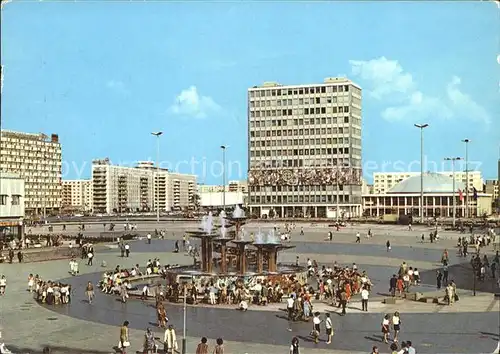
232,243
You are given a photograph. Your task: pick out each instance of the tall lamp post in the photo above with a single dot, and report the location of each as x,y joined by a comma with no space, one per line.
466,141
421,127
453,159
223,148
184,321
156,181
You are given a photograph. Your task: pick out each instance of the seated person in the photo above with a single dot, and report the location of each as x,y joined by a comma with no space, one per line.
243,306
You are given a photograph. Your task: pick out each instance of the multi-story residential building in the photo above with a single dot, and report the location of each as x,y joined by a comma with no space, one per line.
77,194
304,149
181,190
232,186
142,188
12,194
37,159
384,181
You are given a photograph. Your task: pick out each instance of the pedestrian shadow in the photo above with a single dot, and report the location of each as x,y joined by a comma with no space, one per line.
282,317
54,350
306,339
375,338
493,335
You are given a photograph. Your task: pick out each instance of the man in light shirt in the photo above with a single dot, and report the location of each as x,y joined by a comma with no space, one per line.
289,307
364,299
149,238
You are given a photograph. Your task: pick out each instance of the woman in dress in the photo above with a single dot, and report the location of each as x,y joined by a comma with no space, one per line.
396,324
149,342
385,328
162,316
124,343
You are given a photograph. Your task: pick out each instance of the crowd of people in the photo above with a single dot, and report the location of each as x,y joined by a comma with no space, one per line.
49,292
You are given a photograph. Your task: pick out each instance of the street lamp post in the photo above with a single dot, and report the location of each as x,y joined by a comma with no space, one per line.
184,322
223,147
466,141
156,181
453,159
421,127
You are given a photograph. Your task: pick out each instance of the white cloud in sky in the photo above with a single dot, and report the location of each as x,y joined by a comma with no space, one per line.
117,86
190,103
388,82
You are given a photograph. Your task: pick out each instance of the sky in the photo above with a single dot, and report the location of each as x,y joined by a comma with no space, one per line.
104,75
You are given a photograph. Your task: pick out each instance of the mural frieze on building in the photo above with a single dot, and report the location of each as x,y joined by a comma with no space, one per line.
310,176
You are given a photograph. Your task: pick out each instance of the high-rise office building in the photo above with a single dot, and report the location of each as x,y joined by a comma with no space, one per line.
304,149
37,159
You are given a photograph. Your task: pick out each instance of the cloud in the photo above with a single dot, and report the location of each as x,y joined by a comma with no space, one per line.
389,83
465,103
117,86
190,103
386,76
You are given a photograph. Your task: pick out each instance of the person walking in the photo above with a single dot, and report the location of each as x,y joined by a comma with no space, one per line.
388,245
202,347
124,341
364,299
445,274
358,238
329,328
289,308
149,238
89,291
343,301
170,340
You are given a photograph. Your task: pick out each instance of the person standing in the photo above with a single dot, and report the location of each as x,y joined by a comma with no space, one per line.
170,340
364,299
294,348
329,328
385,328
124,342
396,324
393,283
3,285
289,308
149,342
388,245
343,301
202,347
445,274
90,256
439,278
316,327
149,238
127,250
219,347
89,291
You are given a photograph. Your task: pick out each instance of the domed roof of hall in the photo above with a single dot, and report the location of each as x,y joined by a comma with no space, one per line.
433,183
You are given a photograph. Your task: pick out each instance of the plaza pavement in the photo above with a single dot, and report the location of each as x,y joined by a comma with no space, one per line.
471,325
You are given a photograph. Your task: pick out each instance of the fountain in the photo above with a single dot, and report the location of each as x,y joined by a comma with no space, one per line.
205,234
233,244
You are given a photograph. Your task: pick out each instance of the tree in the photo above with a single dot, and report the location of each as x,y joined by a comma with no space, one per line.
194,200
